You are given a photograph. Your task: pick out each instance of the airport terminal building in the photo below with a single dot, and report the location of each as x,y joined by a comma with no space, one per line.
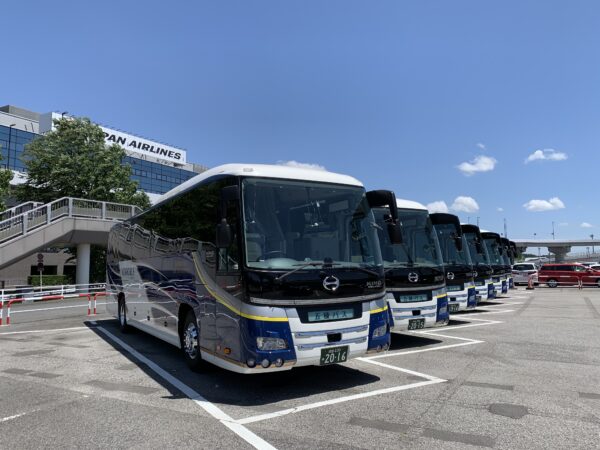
156,166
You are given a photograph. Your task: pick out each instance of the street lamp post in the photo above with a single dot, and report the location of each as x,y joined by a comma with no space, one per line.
10,127
592,238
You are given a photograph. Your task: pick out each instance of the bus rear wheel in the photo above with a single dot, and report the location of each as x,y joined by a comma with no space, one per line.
122,316
190,343
552,283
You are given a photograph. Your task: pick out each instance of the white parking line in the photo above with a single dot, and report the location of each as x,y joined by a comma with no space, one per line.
400,369
45,331
16,416
235,426
334,401
55,307
423,350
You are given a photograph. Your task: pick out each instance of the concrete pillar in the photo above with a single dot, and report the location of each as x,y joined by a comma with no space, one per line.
83,264
559,253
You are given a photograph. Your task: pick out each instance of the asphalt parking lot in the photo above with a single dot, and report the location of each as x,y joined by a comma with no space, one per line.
519,372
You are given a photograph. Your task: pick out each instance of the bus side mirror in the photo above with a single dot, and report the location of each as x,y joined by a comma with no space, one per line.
381,198
224,235
395,233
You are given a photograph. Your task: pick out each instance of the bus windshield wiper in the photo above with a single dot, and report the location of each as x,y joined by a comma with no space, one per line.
306,264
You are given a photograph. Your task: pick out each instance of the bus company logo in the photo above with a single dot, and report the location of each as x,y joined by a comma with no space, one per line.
374,284
413,277
450,275
331,283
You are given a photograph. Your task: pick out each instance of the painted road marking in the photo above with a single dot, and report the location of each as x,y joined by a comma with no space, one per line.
16,416
54,307
45,331
207,406
348,398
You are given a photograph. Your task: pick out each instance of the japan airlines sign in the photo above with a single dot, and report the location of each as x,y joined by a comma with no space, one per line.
143,146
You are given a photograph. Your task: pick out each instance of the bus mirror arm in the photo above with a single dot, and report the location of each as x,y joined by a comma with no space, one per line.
458,242
223,237
395,232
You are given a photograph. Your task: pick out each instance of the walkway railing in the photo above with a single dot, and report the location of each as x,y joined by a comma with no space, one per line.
22,224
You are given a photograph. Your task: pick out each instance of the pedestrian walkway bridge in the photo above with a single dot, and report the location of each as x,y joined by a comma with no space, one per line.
66,221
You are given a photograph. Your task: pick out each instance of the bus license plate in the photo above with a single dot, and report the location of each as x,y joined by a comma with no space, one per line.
453,308
416,324
334,355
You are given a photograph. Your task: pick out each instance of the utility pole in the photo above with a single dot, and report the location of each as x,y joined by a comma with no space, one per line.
553,230
505,233
477,220
592,237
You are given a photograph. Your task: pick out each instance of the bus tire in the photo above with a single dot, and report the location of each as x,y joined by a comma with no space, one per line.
122,315
598,282
190,342
552,283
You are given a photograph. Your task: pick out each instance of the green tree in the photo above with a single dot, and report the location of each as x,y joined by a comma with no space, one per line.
74,161
5,177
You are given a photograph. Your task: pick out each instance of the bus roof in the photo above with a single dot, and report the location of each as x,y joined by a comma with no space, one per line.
265,171
409,204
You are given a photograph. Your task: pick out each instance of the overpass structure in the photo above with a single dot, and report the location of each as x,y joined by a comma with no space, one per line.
558,247
66,221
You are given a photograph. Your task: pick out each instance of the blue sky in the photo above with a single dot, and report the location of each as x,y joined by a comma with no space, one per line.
396,93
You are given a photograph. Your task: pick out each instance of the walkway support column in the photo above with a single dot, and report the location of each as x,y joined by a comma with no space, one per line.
83,264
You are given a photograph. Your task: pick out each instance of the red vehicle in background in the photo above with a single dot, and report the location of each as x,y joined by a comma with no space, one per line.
568,274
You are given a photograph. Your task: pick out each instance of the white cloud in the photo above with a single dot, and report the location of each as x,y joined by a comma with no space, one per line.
437,207
544,205
480,163
301,165
481,145
499,209
465,204
547,154
586,225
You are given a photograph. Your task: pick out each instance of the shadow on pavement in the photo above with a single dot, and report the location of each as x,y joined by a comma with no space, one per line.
221,386
404,341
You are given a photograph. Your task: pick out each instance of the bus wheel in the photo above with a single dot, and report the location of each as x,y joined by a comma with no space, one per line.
598,282
552,283
190,342
122,314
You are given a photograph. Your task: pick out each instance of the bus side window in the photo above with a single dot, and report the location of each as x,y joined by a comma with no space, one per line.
228,260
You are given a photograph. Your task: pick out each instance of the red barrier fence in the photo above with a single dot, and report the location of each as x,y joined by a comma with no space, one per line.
9,303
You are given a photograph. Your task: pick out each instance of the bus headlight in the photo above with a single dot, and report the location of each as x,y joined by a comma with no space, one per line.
379,331
270,343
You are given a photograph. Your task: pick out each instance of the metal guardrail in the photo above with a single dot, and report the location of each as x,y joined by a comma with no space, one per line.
22,224
19,209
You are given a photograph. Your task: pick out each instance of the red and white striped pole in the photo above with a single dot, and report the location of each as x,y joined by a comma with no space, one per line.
95,296
89,304
1,310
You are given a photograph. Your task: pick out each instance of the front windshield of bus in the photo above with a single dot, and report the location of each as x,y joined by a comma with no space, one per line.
446,234
419,248
493,248
301,224
476,257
